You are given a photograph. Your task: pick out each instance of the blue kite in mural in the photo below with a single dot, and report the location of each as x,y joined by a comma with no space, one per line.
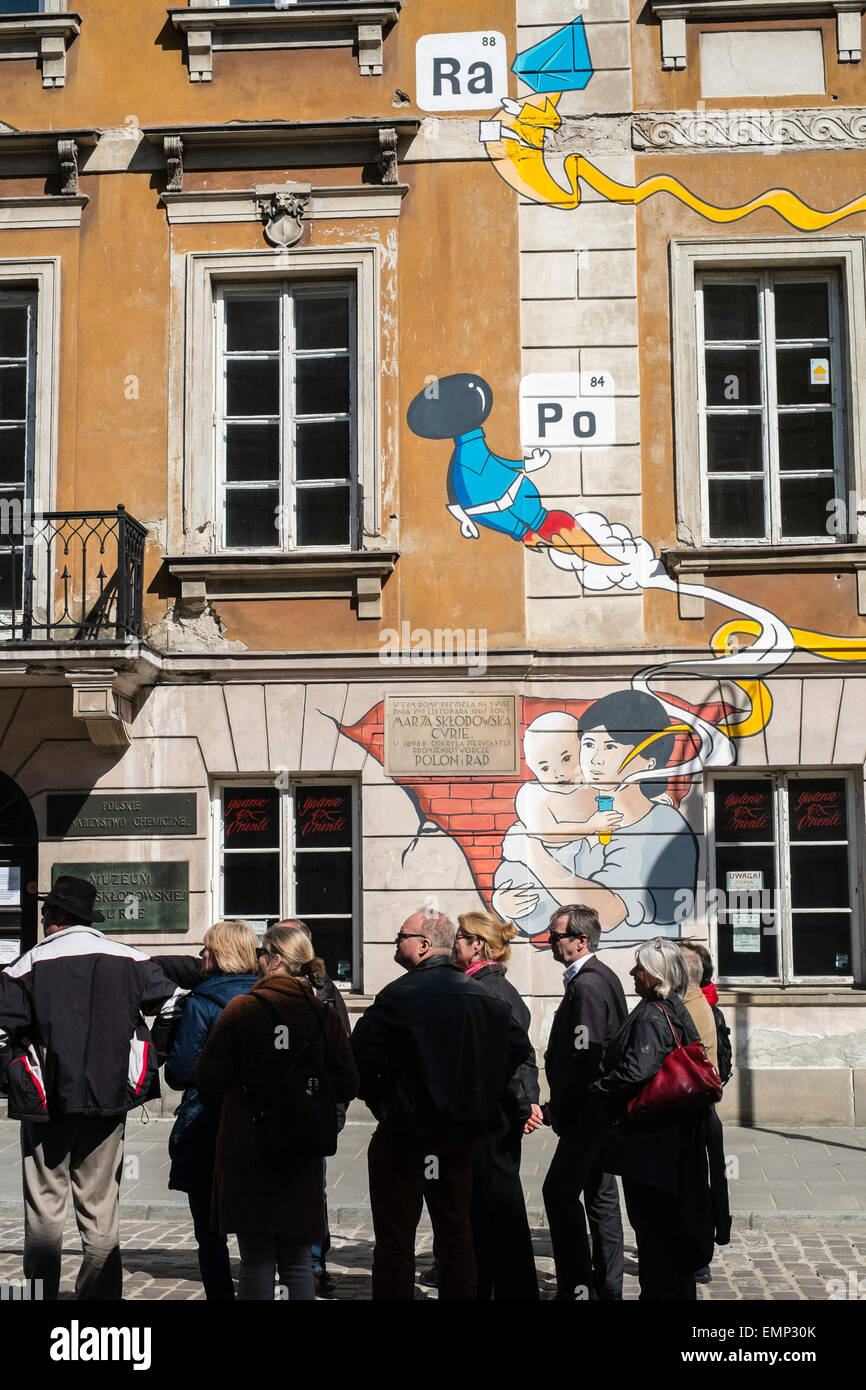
484,489
559,63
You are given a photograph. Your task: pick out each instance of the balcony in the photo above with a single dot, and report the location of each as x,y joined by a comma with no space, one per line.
70,576
71,588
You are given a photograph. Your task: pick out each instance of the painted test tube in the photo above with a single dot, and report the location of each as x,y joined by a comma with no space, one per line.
604,803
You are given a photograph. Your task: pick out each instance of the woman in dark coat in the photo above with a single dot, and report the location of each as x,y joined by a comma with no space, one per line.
276,1210
500,1229
228,964
664,1172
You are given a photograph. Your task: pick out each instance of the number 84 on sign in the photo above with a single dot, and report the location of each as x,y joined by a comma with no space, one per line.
568,410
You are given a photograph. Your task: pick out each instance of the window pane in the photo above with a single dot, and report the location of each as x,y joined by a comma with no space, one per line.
251,516
252,324
806,441
733,376
253,452
817,809
12,452
743,809
734,443
252,387
10,580
323,516
793,377
323,816
13,328
13,393
747,926
321,323
822,943
323,882
322,385
736,508
250,818
730,312
323,450
802,311
33,6
332,940
251,885
819,876
804,505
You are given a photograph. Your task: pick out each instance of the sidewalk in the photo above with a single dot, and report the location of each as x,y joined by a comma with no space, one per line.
795,1180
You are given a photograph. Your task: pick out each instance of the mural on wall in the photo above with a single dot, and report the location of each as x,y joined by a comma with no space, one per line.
596,816
521,142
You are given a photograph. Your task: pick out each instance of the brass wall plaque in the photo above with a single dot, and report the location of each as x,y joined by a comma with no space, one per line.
451,735
137,897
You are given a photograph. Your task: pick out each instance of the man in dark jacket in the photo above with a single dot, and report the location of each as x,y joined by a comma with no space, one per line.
434,1052
75,1057
592,1010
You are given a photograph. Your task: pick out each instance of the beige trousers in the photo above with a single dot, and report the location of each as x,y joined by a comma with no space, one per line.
86,1150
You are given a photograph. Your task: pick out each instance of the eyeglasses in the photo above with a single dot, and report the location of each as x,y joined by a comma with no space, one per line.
561,935
409,935
463,936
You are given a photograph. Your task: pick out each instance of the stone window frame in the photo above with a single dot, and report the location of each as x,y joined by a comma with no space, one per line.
287,783
674,15
41,275
207,270
787,981
213,25
694,556
44,33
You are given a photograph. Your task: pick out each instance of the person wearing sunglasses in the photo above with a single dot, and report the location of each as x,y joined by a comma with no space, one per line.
435,1050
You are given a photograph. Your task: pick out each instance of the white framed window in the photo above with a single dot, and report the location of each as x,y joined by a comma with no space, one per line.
764,439
18,324
772,404
783,852
292,851
286,418
281,402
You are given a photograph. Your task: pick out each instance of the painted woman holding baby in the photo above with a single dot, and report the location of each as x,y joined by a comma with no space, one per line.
631,855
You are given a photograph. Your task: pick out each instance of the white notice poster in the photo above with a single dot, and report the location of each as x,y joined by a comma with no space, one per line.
743,890
10,885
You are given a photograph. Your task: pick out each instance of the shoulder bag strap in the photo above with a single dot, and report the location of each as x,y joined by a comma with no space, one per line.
677,1042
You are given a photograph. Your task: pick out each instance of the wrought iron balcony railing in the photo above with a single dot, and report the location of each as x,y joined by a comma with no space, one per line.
70,576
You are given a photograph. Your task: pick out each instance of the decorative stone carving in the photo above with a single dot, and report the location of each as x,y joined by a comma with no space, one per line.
282,217
387,156
731,130
173,147
67,153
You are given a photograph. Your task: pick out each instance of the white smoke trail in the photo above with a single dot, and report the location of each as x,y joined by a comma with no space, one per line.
635,567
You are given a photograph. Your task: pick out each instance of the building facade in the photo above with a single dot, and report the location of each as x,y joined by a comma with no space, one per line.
431,450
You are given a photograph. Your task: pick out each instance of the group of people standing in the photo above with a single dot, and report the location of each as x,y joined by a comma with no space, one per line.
442,1058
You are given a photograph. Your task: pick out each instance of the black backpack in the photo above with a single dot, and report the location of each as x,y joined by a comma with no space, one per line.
298,1118
726,1052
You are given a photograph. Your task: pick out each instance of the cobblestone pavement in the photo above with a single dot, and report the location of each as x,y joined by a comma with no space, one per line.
160,1263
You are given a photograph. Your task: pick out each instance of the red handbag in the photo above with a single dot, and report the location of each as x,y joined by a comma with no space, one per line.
685,1080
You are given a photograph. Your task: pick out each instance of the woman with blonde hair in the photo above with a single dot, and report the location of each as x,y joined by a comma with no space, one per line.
500,1229
664,1172
228,964
276,1209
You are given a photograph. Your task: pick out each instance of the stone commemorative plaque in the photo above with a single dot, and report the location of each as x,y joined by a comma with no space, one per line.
451,735
109,814
136,897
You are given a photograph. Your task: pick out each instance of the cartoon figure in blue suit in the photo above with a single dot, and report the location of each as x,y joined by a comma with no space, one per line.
484,489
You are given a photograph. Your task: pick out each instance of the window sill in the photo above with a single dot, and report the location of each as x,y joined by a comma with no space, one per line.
694,563
358,24
792,996
673,16
356,574
40,36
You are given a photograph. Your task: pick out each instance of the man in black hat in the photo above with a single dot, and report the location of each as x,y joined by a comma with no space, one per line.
75,1056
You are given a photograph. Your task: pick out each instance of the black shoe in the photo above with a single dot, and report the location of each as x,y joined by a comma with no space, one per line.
326,1284
430,1276
704,1276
